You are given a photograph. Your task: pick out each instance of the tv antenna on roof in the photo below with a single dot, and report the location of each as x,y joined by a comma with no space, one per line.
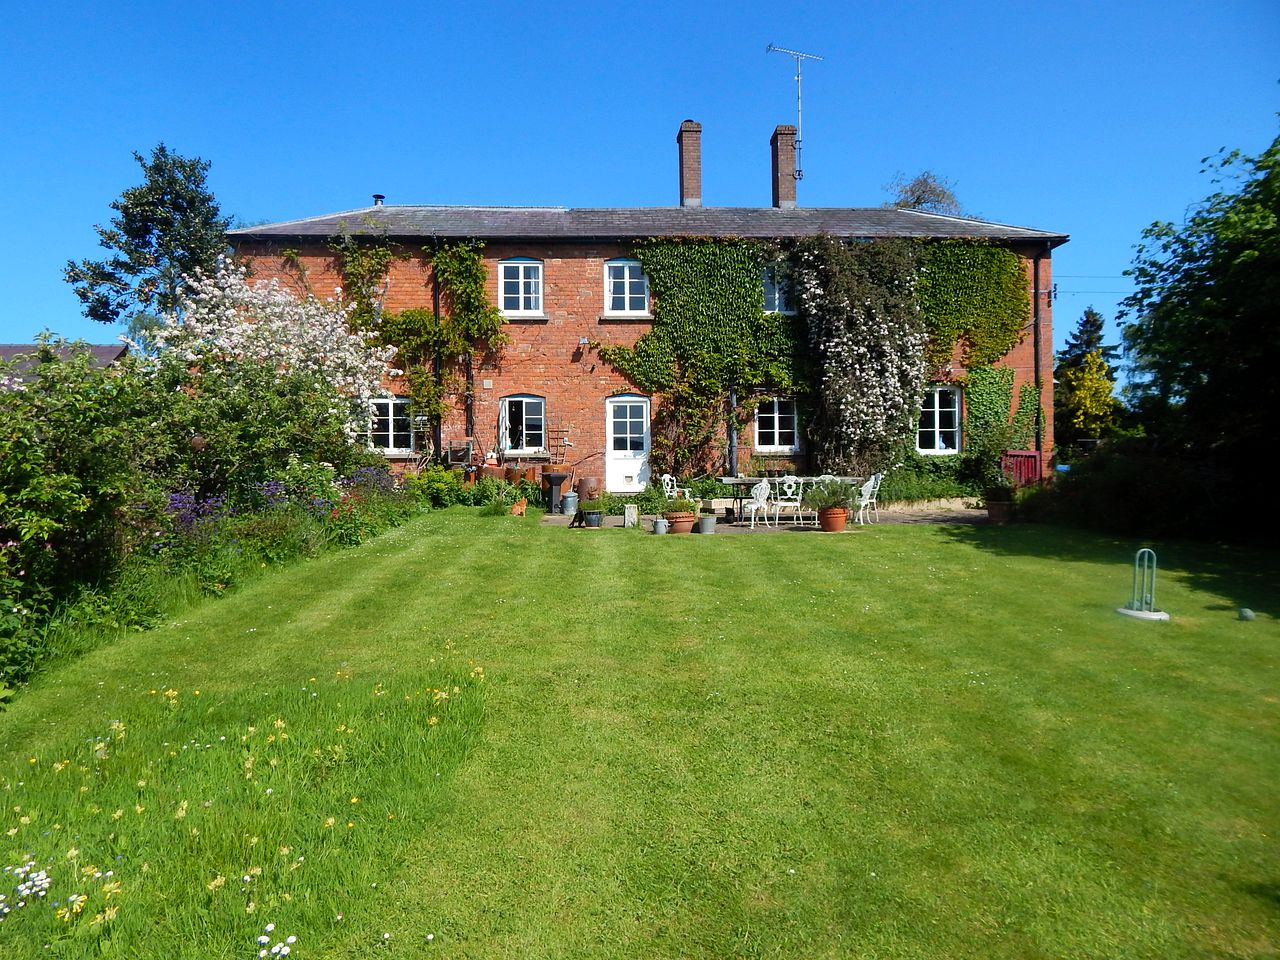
800,58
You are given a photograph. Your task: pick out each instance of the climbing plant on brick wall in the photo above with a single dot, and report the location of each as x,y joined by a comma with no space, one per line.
973,294
866,338
710,335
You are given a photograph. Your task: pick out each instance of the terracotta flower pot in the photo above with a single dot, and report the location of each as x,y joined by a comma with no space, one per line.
681,522
833,519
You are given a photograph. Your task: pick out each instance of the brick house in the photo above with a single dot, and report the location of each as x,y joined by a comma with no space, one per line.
564,278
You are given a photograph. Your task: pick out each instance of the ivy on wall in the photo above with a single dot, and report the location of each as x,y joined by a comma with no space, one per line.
426,345
710,336
992,425
365,268
973,294
866,309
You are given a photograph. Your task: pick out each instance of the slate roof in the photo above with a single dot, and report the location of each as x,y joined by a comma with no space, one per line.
623,223
104,354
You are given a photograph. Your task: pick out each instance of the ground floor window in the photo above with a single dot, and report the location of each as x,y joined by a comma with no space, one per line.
390,428
777,426
939,429
629,425
526,424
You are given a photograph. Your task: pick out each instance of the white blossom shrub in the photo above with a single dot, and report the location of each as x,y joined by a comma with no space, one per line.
226,319
866,338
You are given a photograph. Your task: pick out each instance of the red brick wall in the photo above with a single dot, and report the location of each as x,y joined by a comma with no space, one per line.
544,357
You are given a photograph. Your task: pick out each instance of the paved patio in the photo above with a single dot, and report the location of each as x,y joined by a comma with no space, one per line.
945,511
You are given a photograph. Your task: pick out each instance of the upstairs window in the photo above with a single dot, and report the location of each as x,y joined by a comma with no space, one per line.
626,288
390,427
777,290
520,287
525,427
777,426
939,429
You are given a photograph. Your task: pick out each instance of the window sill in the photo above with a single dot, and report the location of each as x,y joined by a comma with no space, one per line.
777,451
626,317
525,318
937,453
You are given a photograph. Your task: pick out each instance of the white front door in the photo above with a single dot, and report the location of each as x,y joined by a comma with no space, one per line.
626,443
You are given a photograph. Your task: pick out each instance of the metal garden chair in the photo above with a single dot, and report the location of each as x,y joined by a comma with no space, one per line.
759,503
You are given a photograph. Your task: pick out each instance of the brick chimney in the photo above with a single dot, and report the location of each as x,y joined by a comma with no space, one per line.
783,146
689,141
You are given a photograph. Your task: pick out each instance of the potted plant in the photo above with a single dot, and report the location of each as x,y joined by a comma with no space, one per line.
830,499
681,514
592,512
997,494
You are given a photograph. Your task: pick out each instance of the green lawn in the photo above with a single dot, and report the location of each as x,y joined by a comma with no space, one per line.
903,741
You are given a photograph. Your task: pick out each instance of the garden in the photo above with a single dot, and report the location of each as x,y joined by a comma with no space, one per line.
481,736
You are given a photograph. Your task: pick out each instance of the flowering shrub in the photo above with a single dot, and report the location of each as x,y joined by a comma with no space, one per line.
225,319
867,338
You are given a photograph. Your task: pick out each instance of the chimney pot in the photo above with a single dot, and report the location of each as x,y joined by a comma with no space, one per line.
689,141
378,198
783,147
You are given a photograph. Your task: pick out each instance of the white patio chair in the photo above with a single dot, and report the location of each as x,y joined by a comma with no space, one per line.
673,492
788,495
759,503
867,500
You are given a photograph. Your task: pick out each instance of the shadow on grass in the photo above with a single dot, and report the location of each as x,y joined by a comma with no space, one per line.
1244,576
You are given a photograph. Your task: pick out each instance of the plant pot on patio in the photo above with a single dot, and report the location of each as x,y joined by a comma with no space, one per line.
707,523
833,519
592,513
680,515
830,498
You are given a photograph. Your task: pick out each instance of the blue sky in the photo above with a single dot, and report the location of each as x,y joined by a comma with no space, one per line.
1085,118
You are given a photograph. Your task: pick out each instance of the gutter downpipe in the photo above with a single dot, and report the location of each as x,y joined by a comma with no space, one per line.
1036,342
436,370
731,469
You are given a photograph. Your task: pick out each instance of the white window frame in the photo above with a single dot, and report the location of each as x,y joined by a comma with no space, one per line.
930,403
525,270
632,271
779,295
389,406
523,399
769,410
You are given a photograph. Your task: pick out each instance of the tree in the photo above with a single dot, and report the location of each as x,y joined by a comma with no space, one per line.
1084,408
222,320
166,228
1203,343
1083,405
1086,339
925,191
